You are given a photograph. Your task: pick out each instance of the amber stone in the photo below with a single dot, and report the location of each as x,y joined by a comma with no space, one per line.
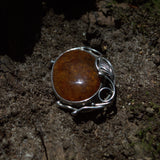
75,76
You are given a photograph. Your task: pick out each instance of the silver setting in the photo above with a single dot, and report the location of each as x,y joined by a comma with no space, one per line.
104,95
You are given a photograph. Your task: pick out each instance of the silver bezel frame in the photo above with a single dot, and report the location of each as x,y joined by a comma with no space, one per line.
105,70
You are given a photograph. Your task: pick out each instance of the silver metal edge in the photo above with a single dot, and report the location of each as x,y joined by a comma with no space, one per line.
83,103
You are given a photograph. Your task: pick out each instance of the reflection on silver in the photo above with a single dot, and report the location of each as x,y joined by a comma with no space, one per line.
104,96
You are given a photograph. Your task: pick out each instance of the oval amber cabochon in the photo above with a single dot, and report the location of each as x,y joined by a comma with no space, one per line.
75,77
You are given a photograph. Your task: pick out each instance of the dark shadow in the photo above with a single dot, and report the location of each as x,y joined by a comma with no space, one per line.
3,28
98,116
72,9
21,27
21,22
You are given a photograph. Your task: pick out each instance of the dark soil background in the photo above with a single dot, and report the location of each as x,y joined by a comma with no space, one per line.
33,127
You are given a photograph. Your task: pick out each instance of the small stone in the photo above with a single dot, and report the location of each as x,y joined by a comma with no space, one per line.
121,5
28,155
104,21
96,43
156,60
150,110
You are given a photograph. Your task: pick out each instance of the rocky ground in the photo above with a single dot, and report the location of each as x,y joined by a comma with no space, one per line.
32,127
